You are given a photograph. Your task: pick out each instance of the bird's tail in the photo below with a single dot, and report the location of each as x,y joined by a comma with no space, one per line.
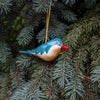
30,51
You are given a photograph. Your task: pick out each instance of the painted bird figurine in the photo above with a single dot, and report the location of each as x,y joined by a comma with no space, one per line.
49,50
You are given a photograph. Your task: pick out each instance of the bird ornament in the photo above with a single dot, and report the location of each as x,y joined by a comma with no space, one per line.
49,50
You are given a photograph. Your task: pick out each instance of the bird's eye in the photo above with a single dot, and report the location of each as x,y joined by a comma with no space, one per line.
57,42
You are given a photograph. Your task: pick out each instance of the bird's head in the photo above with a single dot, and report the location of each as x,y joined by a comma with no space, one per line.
57,42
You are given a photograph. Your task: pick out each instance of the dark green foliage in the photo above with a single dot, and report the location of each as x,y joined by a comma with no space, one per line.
5,52
41,5
23,61
25,36
89,3
57,31
74,75
26,93
74,88
5,6
96,75
68,15
63,72
70,2
3,85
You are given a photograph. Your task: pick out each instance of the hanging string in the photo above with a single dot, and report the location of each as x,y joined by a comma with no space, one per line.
47,21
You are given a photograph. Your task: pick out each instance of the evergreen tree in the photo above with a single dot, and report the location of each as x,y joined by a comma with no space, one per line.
74,75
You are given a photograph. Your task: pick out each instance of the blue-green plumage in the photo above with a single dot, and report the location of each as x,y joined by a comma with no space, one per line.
44,47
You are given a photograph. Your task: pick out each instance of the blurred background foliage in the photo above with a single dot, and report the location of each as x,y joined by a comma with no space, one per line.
74,75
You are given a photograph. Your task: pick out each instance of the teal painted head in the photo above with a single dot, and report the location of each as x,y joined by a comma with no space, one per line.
56,41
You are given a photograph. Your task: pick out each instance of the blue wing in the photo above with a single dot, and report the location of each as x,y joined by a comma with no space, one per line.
41,49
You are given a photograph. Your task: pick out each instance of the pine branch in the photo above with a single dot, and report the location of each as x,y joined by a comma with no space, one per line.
3,84
25,35
73,88
32,95
68,15
5,53
95,49
82,29
41,5
70,2
24,61
29,90
37,80
63,72
96,75
50,90
16,77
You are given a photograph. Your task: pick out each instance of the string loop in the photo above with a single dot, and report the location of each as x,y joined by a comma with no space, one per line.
47,21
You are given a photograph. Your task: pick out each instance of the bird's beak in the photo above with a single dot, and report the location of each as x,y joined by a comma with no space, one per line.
64,47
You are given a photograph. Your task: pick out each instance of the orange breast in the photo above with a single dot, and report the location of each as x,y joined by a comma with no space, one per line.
50,58
56,51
